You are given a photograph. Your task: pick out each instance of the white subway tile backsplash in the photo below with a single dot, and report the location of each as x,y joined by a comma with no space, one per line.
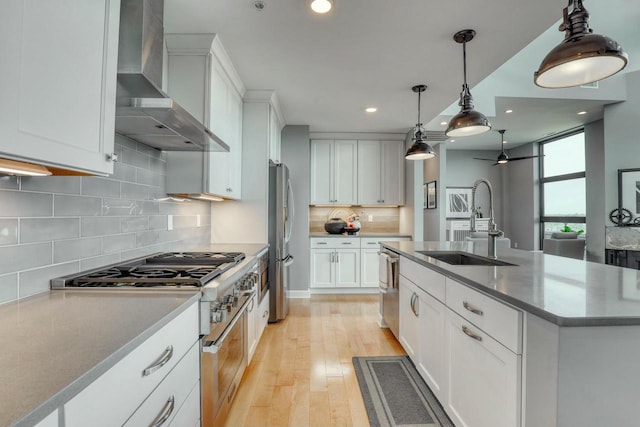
47,229
38,280
51,184
8,287
76,205
8,232
96,186
23,257
118,243
54,226
67,250
99,226
24,204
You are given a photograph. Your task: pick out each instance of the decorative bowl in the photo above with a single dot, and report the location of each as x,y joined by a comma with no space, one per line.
335,226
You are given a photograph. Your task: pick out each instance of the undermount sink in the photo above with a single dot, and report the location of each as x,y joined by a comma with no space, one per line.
463,258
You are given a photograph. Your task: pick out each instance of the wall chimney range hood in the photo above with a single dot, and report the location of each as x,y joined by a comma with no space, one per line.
144,112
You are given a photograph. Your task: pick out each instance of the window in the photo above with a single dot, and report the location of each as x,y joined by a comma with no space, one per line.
563,198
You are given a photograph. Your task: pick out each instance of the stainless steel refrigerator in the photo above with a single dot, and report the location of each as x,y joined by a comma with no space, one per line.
280,230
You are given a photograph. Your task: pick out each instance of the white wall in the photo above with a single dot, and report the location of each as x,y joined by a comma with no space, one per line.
295,154
434,219
596,195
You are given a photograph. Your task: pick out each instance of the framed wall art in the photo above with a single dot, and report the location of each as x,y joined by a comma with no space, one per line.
629,190
430,195
458,202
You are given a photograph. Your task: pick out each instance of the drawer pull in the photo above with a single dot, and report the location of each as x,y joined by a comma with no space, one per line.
165,413
160,362
414,298
372,243
470,334
321,243
265,314
472,308
346,243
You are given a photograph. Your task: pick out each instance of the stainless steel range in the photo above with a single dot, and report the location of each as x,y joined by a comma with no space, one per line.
227,282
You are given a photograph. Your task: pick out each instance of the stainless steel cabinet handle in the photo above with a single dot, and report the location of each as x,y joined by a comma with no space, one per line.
165,413
160,362
472,308
321,243
470,334
347,243
265,314
337,257
414,297
253,303
331,257
113,157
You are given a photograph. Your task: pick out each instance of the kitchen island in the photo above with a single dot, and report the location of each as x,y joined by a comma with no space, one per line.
547,341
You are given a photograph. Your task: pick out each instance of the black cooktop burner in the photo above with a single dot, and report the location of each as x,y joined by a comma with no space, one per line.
175,269
202,258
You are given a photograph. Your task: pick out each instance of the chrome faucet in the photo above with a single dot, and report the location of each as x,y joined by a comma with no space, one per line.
494,233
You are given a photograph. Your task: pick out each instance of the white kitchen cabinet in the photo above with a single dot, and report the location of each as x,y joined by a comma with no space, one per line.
409,306
252,326
274,136
58,81
380,173
369,259
136,378
334,166
335,262
263,311
50,421
189,412
203,80
484,377
431,348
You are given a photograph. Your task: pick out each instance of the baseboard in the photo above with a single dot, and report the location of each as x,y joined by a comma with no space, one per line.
299,294
359,291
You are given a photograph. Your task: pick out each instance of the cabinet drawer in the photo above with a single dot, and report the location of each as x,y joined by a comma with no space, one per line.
502,322
263,313
189,414
426,279
168,398
374,242
124,386
335,243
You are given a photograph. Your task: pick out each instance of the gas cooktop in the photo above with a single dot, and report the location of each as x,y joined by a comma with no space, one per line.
170,269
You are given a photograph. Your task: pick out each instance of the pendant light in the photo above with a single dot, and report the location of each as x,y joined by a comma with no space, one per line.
420,149
468,121
582,57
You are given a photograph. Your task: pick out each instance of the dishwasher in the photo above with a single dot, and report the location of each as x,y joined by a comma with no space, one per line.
389,275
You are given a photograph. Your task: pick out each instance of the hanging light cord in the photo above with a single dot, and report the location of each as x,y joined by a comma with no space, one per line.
419,93
466,100
464,62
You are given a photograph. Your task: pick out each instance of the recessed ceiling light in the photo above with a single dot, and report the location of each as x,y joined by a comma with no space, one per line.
321,6
508,111
504,141
258,5
444,123
580,113
371,109
452,140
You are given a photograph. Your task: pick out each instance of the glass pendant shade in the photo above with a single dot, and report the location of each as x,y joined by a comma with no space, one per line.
582,57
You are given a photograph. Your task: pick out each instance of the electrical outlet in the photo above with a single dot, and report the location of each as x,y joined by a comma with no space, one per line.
370,218
515,245
169,222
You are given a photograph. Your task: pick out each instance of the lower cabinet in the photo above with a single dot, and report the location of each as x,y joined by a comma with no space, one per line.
483,377
465,346
258,317
50,421
150,383
346,262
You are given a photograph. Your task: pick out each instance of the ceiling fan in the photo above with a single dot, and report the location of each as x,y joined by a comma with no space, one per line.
503,157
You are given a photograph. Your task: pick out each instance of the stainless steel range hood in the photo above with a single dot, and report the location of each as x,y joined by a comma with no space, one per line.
143,111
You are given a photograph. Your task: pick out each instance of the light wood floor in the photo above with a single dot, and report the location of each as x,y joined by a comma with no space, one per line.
302,374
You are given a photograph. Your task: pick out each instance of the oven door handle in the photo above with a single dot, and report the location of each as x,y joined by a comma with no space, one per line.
214,346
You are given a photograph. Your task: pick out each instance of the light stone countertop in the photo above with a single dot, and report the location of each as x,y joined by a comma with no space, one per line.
564,291
56,343
360,234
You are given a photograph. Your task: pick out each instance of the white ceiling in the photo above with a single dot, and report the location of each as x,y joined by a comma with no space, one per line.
326,69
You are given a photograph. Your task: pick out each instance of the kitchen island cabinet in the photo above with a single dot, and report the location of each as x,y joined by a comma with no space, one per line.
547,341
58,80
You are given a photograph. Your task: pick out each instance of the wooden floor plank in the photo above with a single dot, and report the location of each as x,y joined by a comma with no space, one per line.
301,374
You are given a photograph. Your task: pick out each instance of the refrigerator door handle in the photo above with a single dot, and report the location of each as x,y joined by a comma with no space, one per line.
290,213
288,261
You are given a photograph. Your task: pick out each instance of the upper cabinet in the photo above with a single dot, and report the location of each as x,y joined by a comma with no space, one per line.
275,128
202,78
58,80
334,172
350,172
380,173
